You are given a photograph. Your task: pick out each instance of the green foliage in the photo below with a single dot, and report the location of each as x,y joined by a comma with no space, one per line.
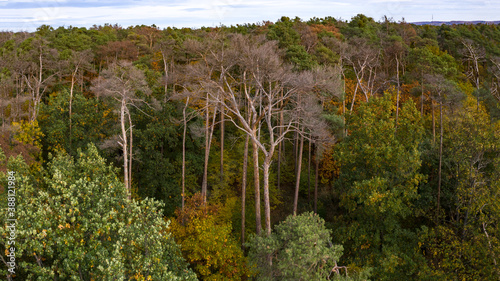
298,55
91,122
206,242
378,180
466,245
158,151
430,59
299,248
77,223
284,33
361,26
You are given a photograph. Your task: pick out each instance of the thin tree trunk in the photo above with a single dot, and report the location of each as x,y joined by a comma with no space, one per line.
422,100
124,147
256,179
354,96
130,153
267,203
209,130
165,68
244,190
440,157
183,178
297,183
309,174
280,146
316,182
433,123
397,98
207,151
222,144
295,149
71,106
279,166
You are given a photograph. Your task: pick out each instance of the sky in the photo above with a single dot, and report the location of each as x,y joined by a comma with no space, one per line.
27,15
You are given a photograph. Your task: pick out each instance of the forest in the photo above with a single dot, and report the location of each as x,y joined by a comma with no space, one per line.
291,150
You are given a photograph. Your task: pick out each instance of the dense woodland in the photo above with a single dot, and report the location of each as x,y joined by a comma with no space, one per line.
296,150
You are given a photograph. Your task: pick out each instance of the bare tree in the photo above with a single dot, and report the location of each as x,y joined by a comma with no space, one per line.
121,81
180,78
78,62
474,55
42,66
266,83
364,60
495,89
166,48
209,58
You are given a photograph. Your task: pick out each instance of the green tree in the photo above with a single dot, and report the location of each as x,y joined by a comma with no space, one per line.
158,143
300,248
466,245
378,180
77,223
91,122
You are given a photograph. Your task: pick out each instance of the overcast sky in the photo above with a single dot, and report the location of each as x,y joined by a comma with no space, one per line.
27,15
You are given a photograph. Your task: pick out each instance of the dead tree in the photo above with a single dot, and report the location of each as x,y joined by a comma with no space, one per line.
121,81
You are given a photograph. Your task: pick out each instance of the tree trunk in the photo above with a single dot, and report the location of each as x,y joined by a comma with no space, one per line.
222,145
267,203
71,105
433,123
183,177
316,181
309,174
209,130
440,157
295,149
279,166
207,151
281,146
397,97
165,68
244,190
256,179
297,183
124,147
354,97
130,153
422,100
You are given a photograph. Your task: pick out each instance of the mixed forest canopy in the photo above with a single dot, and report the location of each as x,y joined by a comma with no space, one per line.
295,150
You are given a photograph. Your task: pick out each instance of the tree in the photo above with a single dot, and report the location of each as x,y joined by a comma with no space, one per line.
121,81
205,66
474,55
79,61
300,249
466,244
265,83
90,122
445,92
41,68
364,60
377,183
79,224
206,242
